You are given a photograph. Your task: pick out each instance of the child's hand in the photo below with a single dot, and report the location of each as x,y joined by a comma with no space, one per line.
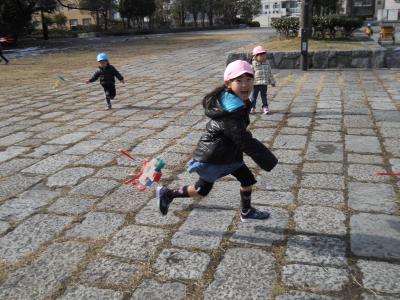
87,81
273,85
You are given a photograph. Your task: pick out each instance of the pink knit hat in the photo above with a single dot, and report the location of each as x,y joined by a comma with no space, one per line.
237,68
259,50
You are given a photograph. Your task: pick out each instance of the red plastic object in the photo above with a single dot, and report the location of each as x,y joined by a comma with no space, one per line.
6,40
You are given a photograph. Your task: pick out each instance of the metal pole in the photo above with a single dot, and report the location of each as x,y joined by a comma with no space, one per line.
305,31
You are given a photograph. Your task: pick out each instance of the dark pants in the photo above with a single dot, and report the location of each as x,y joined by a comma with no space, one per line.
262,89
109,91
3,57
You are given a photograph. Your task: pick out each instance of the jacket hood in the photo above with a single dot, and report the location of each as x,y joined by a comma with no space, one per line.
227,103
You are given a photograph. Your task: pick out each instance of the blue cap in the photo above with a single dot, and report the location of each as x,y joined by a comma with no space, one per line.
102,56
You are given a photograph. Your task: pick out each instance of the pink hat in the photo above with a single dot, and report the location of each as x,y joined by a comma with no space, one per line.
237,68
259,50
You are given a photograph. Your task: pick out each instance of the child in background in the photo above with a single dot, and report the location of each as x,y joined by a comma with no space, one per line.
220,149
106,72
262,77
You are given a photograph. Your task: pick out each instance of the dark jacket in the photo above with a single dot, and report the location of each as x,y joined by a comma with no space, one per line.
106,75
227,138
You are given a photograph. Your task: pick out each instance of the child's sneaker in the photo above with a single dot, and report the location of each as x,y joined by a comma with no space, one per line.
163,201
253,111
266,111
254,214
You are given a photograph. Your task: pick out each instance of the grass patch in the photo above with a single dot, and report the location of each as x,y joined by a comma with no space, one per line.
294,45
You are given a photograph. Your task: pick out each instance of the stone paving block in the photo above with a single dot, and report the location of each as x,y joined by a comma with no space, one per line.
68,177
30,235
224,195
11,152
171,132
15,184
321,278
151,289
362,144
203,228
375,235
360,121
111,132
4,227
372,197
380,276
181,264
365,172
125,199
319,220
172,159
110,271
264,232
70,138
150,146
290,141
26,204
324,151
97,159
14,138
390,132
295,295
386,115
51,164
366,296
364,159
326,136
360,131
116,172
97,225
299,122
15,165
325,181
133,135
272,198
135,242
82,292
46,150
288,156
71,205
281,177
84,147
191,138
45,274
392,146
234,279
150,214
95,187
323,167
294,130
321,197
263,134
318,250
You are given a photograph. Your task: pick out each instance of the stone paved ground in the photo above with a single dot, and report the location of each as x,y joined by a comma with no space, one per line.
70,229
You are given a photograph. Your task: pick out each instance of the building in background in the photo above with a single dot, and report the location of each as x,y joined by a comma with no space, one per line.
387,10
276,9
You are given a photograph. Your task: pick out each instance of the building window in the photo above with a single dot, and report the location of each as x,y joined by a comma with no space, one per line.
276,5
86,22
72,6
360,3
266,6
73,22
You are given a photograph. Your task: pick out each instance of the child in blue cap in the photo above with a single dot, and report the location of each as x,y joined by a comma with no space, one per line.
106,73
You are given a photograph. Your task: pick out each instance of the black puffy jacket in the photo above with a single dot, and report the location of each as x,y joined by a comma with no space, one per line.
106,75
227,138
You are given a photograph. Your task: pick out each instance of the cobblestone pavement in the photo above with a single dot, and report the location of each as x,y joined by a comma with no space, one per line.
70,228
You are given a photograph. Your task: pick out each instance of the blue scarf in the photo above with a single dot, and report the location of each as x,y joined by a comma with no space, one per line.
230,102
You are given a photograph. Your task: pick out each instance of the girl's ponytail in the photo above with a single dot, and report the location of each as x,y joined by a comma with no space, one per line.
213,96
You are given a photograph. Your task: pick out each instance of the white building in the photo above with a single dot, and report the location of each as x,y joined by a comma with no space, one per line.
276,9
387,10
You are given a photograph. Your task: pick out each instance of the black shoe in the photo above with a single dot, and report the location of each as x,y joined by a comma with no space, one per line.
253,214
163,201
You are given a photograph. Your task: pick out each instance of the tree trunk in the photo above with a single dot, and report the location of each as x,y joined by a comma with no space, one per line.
44,27
97,19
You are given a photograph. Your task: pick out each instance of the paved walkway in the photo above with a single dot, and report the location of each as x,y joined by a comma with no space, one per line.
70,229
